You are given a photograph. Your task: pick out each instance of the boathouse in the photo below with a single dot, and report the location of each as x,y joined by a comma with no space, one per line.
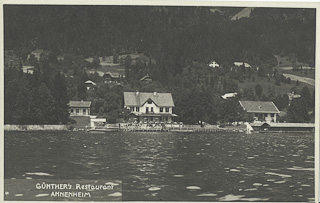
79,108
283,127
262,111
149,107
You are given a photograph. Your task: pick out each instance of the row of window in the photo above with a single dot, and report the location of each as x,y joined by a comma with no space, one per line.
137,109
263,115
78,111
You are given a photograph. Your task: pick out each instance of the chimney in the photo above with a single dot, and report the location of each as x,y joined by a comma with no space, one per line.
137,93
155,93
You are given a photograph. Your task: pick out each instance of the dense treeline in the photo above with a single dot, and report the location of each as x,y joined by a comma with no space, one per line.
181,40
38,98
172,35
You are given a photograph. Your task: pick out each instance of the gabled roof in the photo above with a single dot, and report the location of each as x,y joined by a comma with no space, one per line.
139,98
259,107
89,82
83,104
145,77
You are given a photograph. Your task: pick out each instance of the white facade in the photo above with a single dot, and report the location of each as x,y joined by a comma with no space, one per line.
214,64
151,108
79,111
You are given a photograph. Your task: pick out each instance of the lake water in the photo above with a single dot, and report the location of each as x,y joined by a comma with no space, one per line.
171,166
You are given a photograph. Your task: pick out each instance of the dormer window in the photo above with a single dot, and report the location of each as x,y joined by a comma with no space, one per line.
150,101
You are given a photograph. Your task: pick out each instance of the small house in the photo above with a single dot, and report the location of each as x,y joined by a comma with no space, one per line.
90,85
28,69
292,95
262,111
229,95
39,53
79,108
146,79
149,107
213,64
238,64
111,77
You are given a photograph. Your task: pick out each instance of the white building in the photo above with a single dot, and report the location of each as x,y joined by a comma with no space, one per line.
214,64
238,64
262,111
145,106
79,108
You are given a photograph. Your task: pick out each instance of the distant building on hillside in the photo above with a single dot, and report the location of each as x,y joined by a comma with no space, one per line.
79,108
262,111
146,107
28,69
213,64
111,77
146,79
229,95
292,95
39,53
90,85
238,64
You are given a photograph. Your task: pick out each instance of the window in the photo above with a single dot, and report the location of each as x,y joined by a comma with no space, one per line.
149,101
71,110
137,109
131,108
151,109
147,109
77,110
161,109
84,111
167,109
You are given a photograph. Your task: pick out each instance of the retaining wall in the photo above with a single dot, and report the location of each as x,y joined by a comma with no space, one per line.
34,127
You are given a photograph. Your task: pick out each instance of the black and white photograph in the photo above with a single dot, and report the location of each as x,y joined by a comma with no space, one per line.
160,102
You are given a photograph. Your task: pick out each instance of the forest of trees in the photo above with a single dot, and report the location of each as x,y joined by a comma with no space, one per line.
181,40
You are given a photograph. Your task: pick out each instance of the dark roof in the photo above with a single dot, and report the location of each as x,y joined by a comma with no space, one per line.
259,107
83,104
139,98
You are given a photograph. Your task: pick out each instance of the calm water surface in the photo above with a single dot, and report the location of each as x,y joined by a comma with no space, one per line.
172,166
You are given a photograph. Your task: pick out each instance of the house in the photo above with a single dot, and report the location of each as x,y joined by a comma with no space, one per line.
79,108
229,95
292,96
90,85
146,107
284,127
238,64
214,64
39,53
111,77
146,79
28,69
262,111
